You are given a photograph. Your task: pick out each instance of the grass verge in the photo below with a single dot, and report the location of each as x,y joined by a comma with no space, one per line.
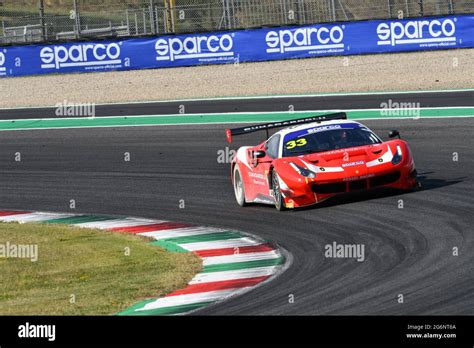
84,271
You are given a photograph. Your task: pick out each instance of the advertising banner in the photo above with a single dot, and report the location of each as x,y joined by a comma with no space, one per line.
319,40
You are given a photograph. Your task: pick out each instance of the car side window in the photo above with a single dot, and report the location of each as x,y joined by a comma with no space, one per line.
272,146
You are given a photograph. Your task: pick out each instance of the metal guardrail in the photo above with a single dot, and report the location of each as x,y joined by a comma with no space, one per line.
99,32
26,33
49,20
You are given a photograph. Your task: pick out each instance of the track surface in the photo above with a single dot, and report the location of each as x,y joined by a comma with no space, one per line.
363,101
409,251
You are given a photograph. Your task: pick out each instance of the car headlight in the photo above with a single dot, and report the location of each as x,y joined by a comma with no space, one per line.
397,157
303,171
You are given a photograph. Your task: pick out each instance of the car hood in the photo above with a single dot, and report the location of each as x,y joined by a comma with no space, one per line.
349,162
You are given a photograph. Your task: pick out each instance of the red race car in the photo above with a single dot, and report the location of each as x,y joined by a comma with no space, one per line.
316,158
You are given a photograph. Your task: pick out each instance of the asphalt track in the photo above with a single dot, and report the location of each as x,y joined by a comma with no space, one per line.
409,251
261,104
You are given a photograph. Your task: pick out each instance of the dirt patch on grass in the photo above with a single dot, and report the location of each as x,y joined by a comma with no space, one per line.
391,72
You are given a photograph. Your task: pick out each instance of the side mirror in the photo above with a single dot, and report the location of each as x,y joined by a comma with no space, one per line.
393,134
256,156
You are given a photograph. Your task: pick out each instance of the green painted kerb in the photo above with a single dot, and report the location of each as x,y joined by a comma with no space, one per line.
209,237
81,219
156,120
161,311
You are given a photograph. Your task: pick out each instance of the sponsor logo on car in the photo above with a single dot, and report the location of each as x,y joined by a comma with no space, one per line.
351,164
3,69
192,47
256,175
81,55
354,178
305,39
324,128
435,31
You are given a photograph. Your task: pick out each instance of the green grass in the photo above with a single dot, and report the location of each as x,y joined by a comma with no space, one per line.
90,264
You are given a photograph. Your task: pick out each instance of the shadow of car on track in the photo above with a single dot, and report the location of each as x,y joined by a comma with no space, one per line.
427,183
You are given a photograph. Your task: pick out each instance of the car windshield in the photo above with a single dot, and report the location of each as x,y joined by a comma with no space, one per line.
327,138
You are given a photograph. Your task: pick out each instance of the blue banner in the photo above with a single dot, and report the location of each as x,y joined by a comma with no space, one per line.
346,38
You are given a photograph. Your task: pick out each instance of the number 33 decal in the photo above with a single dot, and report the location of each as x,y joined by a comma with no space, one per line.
294,143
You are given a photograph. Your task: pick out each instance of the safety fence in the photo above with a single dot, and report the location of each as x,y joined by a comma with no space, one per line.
343,38
58,20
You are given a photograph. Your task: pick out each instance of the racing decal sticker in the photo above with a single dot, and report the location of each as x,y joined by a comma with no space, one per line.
316,169
351,164
296,143
386,157
233,262
299,134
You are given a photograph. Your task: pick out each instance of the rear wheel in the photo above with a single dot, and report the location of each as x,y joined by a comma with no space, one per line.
239,189
277,195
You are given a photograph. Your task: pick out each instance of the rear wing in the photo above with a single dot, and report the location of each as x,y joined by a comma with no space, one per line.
280,124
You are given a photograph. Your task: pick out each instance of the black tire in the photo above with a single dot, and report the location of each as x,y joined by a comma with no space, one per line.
277,196
239,189
418,185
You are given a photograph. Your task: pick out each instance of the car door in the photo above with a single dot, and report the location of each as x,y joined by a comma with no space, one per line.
262,166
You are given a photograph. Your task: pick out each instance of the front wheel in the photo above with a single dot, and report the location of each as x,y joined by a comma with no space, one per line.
277,195
239,187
